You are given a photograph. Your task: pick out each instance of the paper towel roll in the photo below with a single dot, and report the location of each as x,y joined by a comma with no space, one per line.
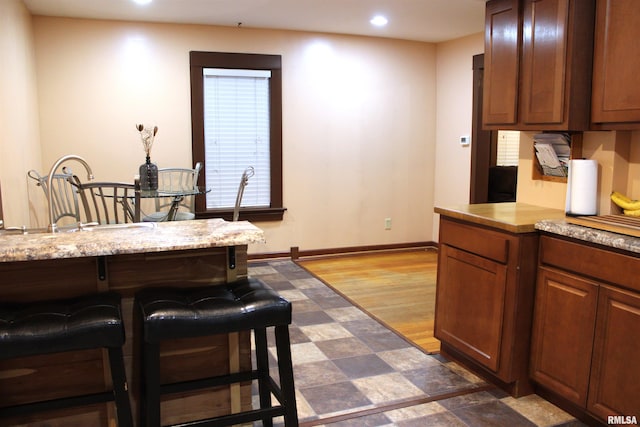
582,188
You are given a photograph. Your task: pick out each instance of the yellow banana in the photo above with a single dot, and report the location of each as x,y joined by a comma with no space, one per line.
632,213
625,202
621,196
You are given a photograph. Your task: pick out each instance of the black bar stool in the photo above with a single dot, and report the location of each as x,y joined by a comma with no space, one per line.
87,322
247,304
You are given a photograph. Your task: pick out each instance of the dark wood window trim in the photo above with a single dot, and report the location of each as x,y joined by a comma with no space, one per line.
200,60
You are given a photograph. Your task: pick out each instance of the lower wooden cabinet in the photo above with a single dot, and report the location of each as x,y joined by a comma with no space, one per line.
586,329
471,305
484,300
565,314
615,371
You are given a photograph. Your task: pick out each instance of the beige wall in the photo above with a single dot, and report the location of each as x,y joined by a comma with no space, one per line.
538,192
359,118
454,109
19,124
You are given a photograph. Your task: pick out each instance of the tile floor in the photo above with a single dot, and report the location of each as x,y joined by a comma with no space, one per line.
352,371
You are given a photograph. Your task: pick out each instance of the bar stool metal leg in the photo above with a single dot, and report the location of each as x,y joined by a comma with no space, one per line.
121,394
150,403
285,368
262,363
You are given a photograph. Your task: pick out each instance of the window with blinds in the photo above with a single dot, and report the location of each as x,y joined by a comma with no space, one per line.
508,150
236,135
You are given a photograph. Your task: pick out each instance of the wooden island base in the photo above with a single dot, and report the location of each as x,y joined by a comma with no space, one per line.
46,377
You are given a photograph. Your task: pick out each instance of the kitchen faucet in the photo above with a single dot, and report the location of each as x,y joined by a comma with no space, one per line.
52,225
244,180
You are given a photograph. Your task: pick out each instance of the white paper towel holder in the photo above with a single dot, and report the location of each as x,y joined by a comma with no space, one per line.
582,188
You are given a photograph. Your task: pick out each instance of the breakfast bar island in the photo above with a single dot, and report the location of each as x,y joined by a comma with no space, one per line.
125,258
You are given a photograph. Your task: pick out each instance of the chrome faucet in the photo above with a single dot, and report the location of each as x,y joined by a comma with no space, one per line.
52,225
244,180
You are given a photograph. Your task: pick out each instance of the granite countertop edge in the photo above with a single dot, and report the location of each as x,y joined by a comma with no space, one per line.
161,237
592,235
524,218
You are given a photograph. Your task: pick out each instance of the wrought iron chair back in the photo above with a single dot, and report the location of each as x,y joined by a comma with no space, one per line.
108,202
64,197
175,179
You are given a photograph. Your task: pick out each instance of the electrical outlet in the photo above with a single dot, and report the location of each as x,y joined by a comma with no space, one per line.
387,223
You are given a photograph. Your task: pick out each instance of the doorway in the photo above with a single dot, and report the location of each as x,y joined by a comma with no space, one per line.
494,154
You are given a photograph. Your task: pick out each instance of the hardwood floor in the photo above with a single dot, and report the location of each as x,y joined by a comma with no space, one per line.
398,288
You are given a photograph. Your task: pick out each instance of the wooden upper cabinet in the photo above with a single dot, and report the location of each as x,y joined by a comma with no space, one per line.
616,92
538,61
501,62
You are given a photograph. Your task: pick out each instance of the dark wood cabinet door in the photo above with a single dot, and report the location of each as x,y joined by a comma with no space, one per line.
616,92
501,62
563,330
538,64
556,63
544,50
615,375
470,302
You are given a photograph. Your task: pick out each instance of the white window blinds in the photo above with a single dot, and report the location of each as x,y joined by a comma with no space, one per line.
508,148
236,135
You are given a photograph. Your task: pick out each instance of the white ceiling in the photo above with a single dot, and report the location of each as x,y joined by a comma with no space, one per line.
422,20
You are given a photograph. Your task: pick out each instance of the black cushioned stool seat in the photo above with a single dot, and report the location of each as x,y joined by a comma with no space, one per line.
247,304
87,322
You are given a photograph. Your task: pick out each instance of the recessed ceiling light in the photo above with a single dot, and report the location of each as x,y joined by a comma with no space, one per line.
142,2
379,21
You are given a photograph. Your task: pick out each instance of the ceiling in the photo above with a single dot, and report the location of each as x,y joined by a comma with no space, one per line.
422,20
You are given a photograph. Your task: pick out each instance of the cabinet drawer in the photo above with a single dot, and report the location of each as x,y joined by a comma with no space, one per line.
486,243
597,263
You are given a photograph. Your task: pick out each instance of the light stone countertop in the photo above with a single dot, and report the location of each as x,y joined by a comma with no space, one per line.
128,239
511,216
523,218
588,234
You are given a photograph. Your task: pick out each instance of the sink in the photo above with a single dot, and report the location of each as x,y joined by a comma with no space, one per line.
133,225
12,231
106,227
18,231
